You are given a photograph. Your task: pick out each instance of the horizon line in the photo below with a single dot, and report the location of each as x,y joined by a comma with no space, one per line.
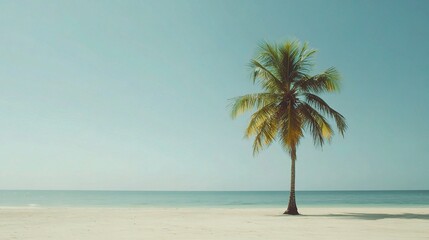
114,190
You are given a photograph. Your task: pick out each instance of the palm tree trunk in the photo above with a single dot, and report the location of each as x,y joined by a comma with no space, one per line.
292,209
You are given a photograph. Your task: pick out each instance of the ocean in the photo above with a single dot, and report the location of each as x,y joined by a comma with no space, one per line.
224,199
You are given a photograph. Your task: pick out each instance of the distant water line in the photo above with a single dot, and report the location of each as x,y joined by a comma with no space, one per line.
226,199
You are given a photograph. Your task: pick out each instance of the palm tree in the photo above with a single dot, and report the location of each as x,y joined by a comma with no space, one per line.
289,104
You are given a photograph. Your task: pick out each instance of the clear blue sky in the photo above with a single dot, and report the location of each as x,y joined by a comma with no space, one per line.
133,95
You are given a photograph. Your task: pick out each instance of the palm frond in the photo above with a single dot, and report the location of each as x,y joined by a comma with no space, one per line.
259,118
269,55
250,101
305,61
316,124
321,105
289,53
266,76
265,133
328,81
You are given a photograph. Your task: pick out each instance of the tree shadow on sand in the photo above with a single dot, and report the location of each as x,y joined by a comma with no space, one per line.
374,216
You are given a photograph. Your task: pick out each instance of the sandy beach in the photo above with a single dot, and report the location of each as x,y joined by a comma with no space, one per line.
212,223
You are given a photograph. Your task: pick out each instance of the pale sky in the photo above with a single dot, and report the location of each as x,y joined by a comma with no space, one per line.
133,95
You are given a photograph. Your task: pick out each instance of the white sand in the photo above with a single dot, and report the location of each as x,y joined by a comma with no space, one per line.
212,223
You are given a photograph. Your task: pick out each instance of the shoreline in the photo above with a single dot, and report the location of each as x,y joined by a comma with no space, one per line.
196,207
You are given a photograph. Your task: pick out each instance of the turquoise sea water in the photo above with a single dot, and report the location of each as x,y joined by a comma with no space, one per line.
213,199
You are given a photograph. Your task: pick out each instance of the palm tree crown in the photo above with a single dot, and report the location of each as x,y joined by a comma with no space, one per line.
289,104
